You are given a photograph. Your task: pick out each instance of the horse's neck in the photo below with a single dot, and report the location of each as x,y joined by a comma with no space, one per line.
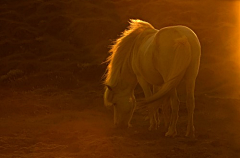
129,80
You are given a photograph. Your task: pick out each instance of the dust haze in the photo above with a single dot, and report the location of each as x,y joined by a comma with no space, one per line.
51,92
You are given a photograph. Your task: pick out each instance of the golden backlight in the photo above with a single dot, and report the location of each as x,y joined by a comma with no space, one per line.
235,40
51,93
238,25
236,31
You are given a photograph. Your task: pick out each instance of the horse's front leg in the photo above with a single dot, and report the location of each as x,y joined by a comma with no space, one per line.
147,89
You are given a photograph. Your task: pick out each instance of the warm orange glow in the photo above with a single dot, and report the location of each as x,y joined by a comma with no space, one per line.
236,31
233,47
238,24
51,90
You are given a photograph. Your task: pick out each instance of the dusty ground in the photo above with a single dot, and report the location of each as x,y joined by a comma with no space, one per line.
50,79
62,125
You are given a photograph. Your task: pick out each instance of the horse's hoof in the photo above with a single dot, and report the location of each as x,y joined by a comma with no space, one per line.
171,134
192,135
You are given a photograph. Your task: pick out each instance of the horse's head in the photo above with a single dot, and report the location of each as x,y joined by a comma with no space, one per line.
123,104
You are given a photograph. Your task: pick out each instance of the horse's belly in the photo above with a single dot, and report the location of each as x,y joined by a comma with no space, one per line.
146,70
152,77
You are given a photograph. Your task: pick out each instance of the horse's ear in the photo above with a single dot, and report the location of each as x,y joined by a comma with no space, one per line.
109,87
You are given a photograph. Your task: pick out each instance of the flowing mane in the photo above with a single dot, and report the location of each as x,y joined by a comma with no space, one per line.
121,49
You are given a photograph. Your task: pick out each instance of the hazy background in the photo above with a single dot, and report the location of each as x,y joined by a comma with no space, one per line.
51,92
59,43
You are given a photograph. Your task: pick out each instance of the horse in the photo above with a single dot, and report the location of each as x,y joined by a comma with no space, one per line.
157,60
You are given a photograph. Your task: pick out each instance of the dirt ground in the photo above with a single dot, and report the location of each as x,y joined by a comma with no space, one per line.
51,92
62,125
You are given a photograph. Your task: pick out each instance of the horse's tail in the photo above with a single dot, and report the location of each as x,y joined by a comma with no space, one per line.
178,68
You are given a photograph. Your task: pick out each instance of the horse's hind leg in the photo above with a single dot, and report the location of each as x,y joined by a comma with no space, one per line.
190,77
158,118
158,108
190,103
172,131
151,119
166,112
154,115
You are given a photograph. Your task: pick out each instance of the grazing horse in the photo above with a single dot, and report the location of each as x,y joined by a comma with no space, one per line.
152,58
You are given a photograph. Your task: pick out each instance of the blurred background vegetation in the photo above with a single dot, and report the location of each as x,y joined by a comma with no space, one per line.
62,44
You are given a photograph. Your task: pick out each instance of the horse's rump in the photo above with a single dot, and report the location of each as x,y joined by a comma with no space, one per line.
161,56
